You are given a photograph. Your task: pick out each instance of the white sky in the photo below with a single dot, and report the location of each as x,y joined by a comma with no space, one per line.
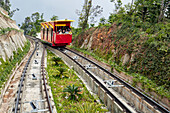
61,8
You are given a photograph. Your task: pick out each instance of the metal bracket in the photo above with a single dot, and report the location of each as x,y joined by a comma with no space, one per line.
111,82
89,66
75,57
34,77
36,62
34,105
115,86
65,51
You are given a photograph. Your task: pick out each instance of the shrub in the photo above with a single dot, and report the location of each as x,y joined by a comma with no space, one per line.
89,108
73,90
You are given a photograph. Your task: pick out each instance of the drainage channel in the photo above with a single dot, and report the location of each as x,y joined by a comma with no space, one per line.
33,92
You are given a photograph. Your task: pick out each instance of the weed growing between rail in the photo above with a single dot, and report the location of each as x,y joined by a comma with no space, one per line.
58,83
6,67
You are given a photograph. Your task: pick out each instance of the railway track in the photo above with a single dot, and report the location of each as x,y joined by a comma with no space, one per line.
8,93
33,94
111,89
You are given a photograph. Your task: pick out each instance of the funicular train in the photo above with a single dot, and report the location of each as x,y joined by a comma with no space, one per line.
57,33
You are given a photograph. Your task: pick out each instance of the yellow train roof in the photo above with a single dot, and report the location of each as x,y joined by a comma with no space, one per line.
60,21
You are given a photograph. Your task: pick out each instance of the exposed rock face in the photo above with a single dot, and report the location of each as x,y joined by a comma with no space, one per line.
12,40
125,59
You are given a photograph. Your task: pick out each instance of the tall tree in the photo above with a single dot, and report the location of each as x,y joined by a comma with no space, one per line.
164,5
32,25
5,4
102,20
88,12
85,13
118,4
131,6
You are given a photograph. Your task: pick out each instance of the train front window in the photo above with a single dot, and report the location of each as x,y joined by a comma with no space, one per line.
63,30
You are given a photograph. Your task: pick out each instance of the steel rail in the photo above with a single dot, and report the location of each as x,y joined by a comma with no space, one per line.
22,80
45,84
146,98
125,109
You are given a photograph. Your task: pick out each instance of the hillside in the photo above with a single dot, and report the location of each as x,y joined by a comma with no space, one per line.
142,53
13,47
11,38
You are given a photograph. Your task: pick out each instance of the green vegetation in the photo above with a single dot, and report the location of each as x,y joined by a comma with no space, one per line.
31,25
4,31
141,31
7,6
147,84
75,93
73,90
7,17
6,67
57,60
88,12
54,18
89,108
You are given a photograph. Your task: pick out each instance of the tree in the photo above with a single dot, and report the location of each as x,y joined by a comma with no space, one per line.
164,6
102,20
152,11
27,25
87,12
118,4
54,18
11,14
84,15
131,6
7,6
31,25
111,18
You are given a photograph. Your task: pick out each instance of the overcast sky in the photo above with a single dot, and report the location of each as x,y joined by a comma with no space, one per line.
61,8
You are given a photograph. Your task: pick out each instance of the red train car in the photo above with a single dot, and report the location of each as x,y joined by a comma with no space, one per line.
57,33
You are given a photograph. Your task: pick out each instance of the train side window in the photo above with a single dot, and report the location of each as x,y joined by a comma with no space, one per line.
55,28
47,33
51,33
43,32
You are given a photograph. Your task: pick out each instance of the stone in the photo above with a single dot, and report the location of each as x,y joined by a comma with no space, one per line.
12,40
125,59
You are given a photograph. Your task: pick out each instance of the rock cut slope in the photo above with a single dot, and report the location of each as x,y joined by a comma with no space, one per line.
11,37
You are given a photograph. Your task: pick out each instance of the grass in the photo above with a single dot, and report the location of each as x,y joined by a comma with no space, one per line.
62,102
5,16
4,31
